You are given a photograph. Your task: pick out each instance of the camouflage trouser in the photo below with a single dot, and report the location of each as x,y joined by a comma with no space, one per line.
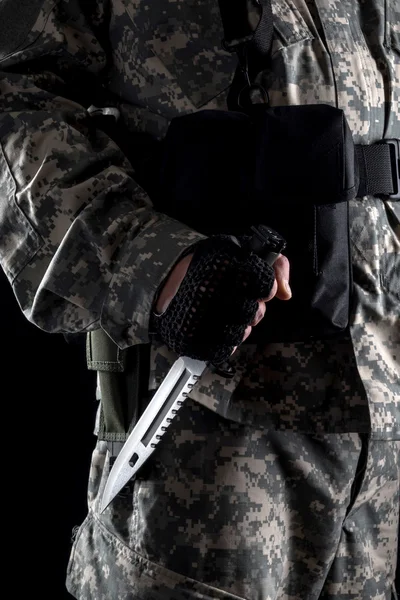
226,511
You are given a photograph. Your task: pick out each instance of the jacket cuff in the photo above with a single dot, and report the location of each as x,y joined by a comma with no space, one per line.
144,262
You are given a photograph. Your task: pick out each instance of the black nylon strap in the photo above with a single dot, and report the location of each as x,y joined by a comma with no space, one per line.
247,22
375,170
240,19
248,29
263,36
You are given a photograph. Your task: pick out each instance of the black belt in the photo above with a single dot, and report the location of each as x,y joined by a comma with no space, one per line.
379,169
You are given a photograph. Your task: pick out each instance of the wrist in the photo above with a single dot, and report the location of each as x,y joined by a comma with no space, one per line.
171,285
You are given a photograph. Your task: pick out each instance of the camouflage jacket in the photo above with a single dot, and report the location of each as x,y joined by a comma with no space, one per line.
80,241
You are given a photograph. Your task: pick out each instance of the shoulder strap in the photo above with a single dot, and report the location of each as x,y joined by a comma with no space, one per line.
247,22
248,28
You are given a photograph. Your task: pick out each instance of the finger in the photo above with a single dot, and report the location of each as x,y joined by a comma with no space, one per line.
259,314
272,293
282,272
247,332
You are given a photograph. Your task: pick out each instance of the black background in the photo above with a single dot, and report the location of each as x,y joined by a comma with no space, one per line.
48,400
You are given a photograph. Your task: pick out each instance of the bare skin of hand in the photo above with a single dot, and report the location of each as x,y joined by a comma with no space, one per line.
280,289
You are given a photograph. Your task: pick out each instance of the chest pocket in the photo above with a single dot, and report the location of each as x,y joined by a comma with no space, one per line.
290,26
187,39
190,45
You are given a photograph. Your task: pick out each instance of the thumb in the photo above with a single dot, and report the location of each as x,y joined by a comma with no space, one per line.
282,272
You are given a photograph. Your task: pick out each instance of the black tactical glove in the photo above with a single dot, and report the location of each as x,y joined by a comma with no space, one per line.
216,301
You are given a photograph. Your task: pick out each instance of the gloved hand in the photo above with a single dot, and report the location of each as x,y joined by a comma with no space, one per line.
211,302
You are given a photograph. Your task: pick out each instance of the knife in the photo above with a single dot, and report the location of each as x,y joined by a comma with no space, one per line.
173,391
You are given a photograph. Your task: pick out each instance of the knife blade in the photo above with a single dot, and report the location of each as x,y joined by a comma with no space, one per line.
173,391
153,423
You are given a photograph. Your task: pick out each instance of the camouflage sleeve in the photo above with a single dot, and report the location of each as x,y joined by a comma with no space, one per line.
79,239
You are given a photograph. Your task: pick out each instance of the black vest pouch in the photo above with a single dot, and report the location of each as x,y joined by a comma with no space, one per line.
292,168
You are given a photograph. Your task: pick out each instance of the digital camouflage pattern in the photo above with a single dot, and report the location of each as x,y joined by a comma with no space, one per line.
83,248
228,517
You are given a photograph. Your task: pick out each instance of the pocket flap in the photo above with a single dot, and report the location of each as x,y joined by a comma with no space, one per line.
102,354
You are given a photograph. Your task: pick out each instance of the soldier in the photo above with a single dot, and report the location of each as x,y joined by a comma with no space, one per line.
281,482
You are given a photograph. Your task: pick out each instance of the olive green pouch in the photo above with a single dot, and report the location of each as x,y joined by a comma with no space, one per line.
120,375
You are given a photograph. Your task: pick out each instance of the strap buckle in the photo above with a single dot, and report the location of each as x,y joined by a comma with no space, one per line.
106,111
394,149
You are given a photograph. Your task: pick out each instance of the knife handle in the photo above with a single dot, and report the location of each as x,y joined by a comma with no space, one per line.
267,243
